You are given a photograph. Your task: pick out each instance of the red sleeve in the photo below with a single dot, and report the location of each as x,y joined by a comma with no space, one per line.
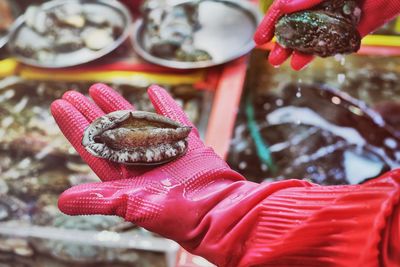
294,223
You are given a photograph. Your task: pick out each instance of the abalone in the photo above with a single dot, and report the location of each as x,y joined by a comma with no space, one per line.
327,30
136,138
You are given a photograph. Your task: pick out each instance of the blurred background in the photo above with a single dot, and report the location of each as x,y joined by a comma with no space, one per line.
336,122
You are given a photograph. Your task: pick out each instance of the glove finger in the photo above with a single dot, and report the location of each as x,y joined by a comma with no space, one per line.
265,31
165,105
300,61
86,107
125,198
95,198
278,55
298,5
108,99
72,124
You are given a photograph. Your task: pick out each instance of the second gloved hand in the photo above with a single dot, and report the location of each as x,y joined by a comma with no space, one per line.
375,13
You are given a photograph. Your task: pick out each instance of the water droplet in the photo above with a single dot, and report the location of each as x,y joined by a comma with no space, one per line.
264,167
390,143
279,102
166,182
96,195
336,100
242,165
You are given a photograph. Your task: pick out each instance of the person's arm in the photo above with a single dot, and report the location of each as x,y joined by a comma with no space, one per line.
375,13
214,212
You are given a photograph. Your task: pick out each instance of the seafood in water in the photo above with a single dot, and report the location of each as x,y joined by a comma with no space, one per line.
136,137
171,32
315,132
327,30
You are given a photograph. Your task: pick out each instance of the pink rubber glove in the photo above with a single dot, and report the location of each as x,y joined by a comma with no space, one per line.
212,211
375,13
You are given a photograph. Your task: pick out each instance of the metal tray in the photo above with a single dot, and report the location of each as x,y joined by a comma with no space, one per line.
77,57
226,33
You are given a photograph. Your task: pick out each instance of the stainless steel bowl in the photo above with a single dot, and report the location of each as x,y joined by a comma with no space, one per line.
3,40
227,28
61,60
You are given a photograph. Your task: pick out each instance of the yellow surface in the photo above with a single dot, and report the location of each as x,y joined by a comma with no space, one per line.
8,67
265,4
397,25
381,40
130,77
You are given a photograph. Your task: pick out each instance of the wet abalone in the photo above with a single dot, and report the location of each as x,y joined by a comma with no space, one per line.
326,30
136,137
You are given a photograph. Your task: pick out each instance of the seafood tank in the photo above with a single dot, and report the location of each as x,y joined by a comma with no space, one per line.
336,122
37,163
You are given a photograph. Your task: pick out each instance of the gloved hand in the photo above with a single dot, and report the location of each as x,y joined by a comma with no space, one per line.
375,13
198,201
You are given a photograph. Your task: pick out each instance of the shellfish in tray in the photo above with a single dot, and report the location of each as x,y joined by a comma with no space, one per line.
69,33
327,30
171,31
136,137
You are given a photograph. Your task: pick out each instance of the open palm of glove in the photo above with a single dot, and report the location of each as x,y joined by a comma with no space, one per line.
161,199
375,13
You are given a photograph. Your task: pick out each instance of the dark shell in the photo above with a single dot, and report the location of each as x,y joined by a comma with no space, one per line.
343,9
136,137
328,30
